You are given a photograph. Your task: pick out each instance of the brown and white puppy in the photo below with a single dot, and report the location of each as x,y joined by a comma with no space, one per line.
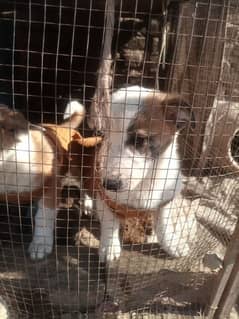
32,162
141,168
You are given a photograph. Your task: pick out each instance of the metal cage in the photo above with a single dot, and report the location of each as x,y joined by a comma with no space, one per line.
52,52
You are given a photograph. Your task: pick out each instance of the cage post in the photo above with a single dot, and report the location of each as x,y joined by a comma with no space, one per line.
226,287
100,107
230,294
199,42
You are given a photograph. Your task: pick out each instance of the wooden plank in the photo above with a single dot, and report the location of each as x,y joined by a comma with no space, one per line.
195,65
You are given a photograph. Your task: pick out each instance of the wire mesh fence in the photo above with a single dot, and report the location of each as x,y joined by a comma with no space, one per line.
159,81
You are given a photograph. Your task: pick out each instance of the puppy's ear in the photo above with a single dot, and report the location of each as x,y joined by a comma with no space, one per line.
12,118
20,120
179,112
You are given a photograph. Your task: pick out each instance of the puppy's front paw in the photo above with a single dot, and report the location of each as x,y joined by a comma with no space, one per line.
40,247
108,253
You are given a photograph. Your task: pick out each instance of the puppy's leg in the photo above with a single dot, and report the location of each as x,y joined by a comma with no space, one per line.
175,230
109,241
42,242
43,237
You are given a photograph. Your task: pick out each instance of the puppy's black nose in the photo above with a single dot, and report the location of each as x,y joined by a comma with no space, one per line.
112,184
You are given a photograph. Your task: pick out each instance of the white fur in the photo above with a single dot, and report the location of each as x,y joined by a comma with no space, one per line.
19,172
175,229
147,183
88,204
42,242
17,168
71,107
109,240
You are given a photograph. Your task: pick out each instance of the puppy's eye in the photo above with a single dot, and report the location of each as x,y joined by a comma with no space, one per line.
12,130
137,141
140,141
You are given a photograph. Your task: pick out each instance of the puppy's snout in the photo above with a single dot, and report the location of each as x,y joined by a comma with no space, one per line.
112,184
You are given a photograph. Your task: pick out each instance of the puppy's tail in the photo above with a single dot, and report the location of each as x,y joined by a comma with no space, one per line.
74,115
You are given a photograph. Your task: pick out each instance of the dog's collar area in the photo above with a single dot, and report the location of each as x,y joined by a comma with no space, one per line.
121,210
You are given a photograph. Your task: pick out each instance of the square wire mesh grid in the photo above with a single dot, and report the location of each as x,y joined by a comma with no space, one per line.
50,54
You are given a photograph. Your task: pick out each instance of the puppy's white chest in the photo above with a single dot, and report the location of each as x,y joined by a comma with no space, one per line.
17,170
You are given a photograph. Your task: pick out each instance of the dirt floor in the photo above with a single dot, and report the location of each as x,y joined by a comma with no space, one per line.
72,281
144,283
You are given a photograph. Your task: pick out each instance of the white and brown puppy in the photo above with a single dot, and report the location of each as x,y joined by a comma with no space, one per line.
31,166
141,168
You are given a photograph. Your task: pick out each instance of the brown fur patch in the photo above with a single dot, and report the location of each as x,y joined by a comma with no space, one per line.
12,123
160,117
